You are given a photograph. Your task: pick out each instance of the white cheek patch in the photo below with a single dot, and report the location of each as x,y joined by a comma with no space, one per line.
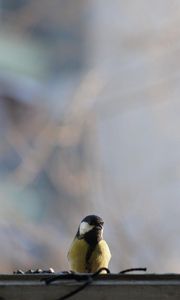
85,227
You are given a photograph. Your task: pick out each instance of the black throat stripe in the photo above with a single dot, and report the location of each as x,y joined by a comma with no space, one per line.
92,237
88,256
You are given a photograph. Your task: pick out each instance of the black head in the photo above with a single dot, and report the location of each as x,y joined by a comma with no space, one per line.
91,229
93,220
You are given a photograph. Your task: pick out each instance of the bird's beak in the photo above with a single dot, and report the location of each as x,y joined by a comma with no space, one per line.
99,226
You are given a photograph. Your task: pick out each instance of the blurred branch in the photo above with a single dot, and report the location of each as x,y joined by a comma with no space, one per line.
85,97
47,134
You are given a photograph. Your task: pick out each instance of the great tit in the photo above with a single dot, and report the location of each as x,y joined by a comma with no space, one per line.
89,252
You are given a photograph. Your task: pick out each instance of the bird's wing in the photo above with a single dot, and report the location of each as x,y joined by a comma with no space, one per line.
100,257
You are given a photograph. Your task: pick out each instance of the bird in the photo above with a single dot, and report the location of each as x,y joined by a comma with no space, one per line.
89,251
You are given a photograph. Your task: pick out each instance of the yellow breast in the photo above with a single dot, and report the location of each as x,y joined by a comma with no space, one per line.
77,256
100,257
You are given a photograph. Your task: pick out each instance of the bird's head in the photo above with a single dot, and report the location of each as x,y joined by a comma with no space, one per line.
91,228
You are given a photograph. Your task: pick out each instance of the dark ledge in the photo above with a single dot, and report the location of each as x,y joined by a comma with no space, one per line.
110,286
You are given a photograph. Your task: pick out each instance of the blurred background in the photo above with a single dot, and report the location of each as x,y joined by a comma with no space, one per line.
89,123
